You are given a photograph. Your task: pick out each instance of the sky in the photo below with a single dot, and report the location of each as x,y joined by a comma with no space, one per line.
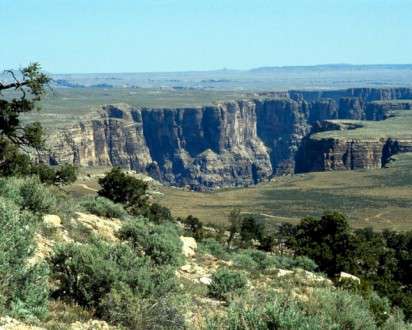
90,36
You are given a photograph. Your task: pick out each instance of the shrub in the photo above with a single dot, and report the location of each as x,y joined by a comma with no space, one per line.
64,174
123,307
87,273
155,213
160,242
122,188
287,262
255,259
225,281
213,247
37,197
104,207
244,260
29,193
326,309
23,288
194,227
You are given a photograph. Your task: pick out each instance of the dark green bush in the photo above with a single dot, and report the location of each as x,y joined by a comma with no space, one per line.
125,189
193,227
225,281
159,242
104,207
60,175
250,229
155,213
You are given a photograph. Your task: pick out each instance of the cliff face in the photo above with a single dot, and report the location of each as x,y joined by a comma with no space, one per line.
347,154
228,144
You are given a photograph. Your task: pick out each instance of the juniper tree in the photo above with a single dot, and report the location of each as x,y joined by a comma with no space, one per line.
20,94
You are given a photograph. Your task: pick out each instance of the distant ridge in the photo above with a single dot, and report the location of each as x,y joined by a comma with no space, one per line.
338,66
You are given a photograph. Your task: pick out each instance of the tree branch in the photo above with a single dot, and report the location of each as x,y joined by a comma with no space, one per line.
13,85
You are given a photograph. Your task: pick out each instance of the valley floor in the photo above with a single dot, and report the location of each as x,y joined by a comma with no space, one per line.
379,198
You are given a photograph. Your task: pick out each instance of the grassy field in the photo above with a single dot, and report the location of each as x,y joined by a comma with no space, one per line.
379,198
396,127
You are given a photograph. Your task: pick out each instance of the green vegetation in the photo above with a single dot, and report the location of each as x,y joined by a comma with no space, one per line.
160,243
104,207
225,281
23,287
327,309
28,193
381,260
131,281
380,198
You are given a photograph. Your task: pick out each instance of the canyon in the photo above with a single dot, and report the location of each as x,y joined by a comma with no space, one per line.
236,143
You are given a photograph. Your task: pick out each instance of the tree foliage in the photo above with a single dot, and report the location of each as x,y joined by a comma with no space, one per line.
20,96
125,189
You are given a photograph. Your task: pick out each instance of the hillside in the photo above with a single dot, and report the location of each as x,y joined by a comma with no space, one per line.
90,263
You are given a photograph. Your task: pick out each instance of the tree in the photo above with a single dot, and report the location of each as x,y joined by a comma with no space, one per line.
125,189
16,97
250,229
235,221
326,241
194,227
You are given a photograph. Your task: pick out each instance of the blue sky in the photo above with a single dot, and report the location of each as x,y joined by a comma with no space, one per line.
177,35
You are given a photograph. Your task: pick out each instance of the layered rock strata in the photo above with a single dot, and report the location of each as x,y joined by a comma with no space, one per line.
232,143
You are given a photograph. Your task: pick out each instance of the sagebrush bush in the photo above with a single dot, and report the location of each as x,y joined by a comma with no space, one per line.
225,281
88,272
259,260
213,247
159,242
104,207
325,309
287,262
122,307
23,288
29,193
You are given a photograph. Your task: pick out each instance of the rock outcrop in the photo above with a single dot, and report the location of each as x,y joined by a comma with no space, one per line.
232,143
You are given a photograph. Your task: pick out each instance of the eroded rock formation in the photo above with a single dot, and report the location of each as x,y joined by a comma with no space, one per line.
232,143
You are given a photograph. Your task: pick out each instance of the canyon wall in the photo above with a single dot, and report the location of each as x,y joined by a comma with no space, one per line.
232,143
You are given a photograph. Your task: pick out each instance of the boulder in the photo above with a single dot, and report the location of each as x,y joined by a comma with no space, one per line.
205,280
102,227
345,276
189,246
52,221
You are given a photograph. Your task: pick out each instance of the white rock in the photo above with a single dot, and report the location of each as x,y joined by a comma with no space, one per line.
52,221
283,272
346,276
205,280
189,246
186,268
